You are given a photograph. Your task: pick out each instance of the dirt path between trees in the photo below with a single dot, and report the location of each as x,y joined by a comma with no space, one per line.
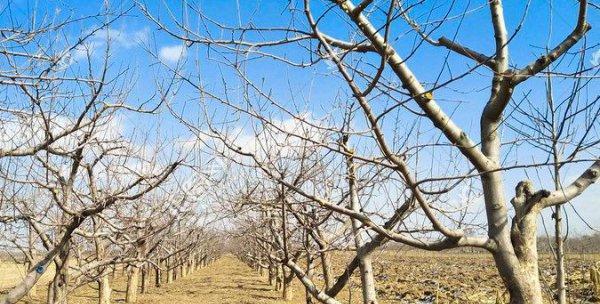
227,280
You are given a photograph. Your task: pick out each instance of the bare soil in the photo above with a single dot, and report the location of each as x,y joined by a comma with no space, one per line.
226,281
402,277
448,277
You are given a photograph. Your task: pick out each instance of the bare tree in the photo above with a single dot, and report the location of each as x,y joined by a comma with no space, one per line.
85,187
399,112
81,196
553,128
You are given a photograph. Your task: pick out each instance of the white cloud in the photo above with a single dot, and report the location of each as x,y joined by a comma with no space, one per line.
119,39
283,138
125,39
172,53
81,52
596,58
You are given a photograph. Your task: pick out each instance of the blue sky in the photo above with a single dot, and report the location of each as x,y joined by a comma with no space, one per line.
134,38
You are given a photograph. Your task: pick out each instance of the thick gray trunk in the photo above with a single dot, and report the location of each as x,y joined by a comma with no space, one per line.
26,286
518,271
170,276
192,265
525,244
176,273
181,271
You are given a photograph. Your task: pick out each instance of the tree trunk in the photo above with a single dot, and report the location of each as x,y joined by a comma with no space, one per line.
309,274
132,284
365,265
514,258
50,293
104,290
519,267
59,290
169,271
192,264
561,274
287,292
326,268
158,275
33,290
525,244
144,270
114,271
367,280
261,270
272,275
176,273
61,278
278,278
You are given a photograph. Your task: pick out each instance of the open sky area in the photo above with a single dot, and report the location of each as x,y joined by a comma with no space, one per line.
149,55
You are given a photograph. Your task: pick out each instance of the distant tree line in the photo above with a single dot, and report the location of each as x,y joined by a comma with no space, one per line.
573,244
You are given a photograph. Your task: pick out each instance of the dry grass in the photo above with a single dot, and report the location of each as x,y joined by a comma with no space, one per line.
9,274
12,273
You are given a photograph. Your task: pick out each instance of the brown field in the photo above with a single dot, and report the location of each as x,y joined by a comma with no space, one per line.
417,276
403,277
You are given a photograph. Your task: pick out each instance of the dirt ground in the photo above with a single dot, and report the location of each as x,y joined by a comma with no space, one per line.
428,277
226,281
403,277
